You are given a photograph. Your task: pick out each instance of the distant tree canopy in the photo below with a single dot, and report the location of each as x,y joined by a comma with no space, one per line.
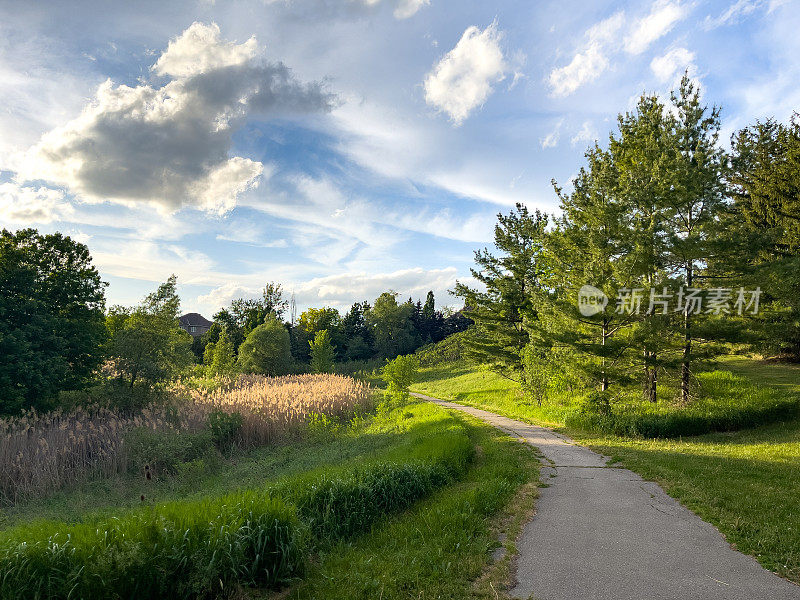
146,343
245,314
51,318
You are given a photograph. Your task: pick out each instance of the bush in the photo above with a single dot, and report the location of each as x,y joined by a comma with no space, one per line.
399,374
178,550
267,349
224,427
163,451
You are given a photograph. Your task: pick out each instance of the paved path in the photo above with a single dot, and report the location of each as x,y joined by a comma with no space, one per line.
605,533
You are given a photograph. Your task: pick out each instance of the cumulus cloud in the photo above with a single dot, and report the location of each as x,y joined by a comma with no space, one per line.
591,60
463,79
677,60
342,289
26,205
170,145
662,18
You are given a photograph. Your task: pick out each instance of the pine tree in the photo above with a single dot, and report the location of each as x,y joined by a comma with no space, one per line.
512,281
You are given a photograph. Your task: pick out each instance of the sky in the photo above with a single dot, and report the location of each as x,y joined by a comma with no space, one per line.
339,148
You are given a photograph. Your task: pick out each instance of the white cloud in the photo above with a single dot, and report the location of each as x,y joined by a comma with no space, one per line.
344,288
199,50
666,67
663,16
587,134
589,62
740,9
551,139
223,295
26,205
169,145
408,8
463,79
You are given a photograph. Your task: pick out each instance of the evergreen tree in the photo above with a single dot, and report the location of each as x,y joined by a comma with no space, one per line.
512,281
761,232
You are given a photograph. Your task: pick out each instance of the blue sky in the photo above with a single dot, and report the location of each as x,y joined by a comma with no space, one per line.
341,148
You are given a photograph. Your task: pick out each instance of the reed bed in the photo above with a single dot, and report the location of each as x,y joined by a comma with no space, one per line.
274,408
43,452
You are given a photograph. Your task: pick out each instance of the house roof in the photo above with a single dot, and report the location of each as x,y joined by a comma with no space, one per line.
194,320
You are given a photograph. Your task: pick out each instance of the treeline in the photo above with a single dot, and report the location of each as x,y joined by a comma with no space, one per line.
251,334
667,249
60,346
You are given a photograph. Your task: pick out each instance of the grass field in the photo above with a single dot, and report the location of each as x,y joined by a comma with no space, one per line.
747,482
440,545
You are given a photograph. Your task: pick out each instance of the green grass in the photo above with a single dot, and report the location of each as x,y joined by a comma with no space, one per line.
746,483
328,445
442,545
728,398
333,494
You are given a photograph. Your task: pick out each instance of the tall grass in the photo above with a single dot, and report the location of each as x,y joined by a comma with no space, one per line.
214,547
40,452
43,452
274,407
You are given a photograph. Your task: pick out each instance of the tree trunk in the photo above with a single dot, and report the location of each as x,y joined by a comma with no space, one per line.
687,347
604,375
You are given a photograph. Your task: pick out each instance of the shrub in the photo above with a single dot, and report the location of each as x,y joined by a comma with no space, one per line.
224,427
163,451
267,349
399,374
179,550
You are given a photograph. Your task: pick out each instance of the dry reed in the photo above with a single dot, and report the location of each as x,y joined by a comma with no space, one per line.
44,452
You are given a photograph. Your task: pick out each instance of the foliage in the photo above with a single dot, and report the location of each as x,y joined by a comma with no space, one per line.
266,349
450,349
163,451
245,314
399,374
219,358
41,453
762,228
509,300
146,342
391,325
51,318
225,427
211,547
322,352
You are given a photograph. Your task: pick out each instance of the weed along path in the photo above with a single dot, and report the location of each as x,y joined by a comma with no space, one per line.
604,533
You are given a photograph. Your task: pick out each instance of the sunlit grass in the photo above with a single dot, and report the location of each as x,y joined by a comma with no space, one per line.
745,482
